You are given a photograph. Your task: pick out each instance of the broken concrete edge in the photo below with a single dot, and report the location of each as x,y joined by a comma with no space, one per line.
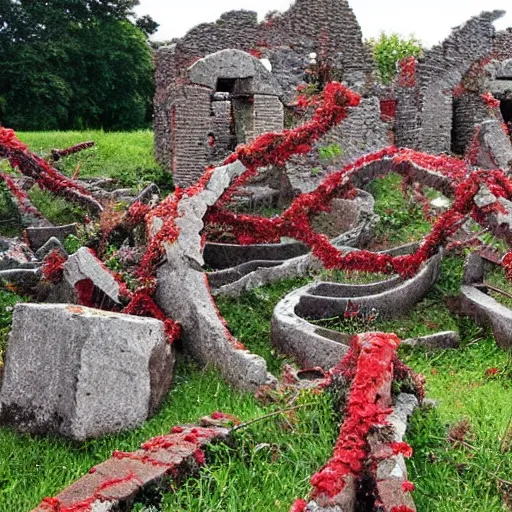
482,308
310,345
487,312
116,482
231,282
393,486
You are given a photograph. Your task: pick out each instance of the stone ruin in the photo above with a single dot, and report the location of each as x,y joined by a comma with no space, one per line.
216,102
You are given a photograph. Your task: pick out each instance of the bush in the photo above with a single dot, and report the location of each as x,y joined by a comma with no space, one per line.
389,49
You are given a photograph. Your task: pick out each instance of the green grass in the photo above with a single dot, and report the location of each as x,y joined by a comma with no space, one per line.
495,276
455,478
34,467
125,156
7,302
401,221
429,316
249,315
268,469
273,460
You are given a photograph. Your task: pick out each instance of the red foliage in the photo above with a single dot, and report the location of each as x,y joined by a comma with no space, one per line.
200,457
407,72
402,448
85,292
53,266
402,508
408,486
19,194
507,265
374,353
46,176
388,109
490,100
299,506
57,154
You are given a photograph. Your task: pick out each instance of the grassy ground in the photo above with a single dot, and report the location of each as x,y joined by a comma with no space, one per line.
127,157
273,460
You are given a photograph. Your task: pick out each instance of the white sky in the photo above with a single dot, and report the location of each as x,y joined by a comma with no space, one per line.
429,20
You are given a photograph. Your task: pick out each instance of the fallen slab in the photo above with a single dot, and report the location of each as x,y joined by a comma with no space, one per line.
82,373
38,236
113,484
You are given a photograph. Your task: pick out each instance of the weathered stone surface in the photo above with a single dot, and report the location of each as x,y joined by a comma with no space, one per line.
222,256
83,265
391,472
234,64
261,264
83,373
54,244
15,254
437,341
184,295
113,484
24,278
312,346
147,194
473,269
489,312
37,237
494,146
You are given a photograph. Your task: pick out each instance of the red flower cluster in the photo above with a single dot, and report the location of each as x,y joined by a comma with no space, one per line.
47,177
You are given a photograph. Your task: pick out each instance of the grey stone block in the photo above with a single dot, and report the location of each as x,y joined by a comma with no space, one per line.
52,245
37,237
14,254
82,373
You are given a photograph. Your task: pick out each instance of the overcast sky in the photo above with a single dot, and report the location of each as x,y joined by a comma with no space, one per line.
429,20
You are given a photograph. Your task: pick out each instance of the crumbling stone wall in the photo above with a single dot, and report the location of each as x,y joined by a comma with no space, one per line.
326,27
229,98
437,74
492,74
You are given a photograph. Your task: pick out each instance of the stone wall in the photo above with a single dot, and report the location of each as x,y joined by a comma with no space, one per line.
229,98
327,27
469,111
437,74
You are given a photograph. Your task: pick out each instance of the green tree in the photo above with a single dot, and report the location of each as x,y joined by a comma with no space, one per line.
93,67
388,49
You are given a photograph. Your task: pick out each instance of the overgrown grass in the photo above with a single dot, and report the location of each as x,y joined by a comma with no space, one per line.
249,318
401,221
7,302
455,477
125,156
429,316
273,460
495,276
34,467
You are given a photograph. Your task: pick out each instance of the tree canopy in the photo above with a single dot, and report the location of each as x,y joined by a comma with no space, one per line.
74,64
